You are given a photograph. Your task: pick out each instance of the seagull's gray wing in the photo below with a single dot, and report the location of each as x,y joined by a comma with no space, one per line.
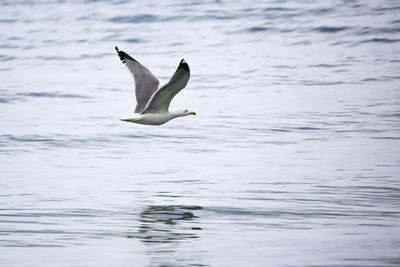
159,102
145,82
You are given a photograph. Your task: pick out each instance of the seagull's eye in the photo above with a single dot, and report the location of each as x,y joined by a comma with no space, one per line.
186,110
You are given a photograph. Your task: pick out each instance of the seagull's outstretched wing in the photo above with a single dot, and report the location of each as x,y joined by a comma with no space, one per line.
161,99
145,82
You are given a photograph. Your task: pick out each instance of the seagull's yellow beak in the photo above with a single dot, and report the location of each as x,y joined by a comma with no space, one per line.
192,113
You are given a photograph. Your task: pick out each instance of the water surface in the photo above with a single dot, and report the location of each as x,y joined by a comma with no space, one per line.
292,160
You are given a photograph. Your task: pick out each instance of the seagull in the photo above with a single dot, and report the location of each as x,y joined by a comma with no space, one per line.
153,102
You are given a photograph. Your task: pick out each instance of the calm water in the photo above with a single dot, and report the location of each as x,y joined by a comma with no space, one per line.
292,160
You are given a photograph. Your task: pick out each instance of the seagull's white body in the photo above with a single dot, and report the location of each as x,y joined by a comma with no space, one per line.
153,102
155,118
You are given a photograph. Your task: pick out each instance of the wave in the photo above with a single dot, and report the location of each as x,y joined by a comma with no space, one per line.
51,95
330,29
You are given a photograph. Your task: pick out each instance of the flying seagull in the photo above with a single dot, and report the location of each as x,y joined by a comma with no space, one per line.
153,102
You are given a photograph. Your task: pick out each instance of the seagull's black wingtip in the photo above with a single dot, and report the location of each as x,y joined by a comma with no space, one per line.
123,56
183,65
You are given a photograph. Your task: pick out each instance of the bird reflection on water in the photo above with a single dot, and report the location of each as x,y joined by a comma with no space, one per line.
167,223
164,227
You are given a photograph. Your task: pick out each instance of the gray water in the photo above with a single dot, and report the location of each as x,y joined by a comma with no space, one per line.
292,160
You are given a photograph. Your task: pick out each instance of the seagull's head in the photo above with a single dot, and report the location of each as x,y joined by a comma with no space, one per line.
181,113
